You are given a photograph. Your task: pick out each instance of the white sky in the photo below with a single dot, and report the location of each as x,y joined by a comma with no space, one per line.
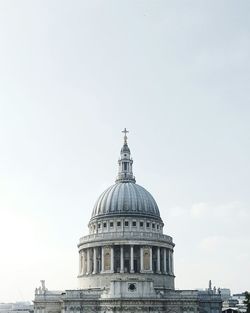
73,74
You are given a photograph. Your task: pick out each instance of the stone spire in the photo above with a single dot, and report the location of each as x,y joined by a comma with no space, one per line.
125,162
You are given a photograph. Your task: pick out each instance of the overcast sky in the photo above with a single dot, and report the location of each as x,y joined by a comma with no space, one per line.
73,74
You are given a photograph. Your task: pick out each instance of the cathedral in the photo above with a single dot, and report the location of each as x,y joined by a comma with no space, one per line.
126,261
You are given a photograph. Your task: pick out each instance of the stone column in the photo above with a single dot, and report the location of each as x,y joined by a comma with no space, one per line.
88,261
169,262
121,260
102,270
151,259
164,260
158,260
95,260
84,261
63,309
141,259
80,263
112,259
172,262
132,259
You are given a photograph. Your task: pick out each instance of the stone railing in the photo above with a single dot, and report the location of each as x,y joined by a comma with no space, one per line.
179,294
82,294
49,296
205,296
68,294
202,296
127,235
209,295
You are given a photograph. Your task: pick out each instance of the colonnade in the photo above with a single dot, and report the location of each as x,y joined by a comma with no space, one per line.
126,259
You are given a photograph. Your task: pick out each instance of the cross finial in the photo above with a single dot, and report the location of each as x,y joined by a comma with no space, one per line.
125,131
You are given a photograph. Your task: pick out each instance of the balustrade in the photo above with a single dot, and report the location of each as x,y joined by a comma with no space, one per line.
125,235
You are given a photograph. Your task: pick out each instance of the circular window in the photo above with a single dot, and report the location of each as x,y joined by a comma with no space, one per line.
131,287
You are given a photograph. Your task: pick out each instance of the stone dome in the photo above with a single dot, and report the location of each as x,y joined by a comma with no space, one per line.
126,198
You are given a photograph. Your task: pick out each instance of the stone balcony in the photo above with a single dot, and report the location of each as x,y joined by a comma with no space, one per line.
125,235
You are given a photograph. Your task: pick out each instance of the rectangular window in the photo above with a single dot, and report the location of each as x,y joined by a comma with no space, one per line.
111,224
148,225
126,223
134,223
99,225
153,225
141,224
104,224
119,224
157,226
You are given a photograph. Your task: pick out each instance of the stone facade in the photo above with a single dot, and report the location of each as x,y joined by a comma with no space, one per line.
123,297
126,261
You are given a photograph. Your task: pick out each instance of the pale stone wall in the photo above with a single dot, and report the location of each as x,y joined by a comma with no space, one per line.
104,280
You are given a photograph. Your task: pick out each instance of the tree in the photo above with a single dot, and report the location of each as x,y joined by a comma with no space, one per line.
247,301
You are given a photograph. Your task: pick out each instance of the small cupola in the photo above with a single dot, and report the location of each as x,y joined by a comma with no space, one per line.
125,162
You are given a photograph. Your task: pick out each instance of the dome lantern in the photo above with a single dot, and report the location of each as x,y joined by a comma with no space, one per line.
125,162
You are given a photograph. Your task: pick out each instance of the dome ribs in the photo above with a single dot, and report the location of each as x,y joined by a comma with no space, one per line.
134,198
125,198
109,204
